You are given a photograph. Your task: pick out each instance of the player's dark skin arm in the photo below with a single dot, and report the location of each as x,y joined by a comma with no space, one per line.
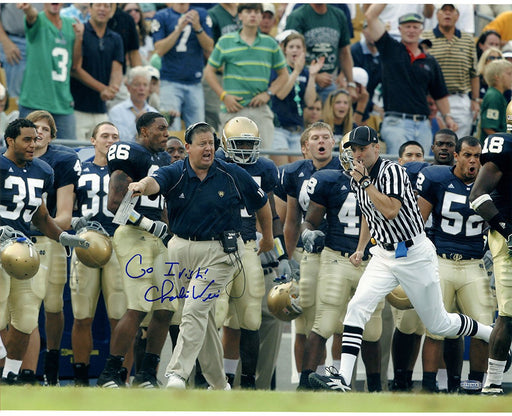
314,216
117,188
44,222
277,225
486,181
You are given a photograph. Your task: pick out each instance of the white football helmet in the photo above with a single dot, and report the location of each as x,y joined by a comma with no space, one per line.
19,257
100,247
283,301
241,141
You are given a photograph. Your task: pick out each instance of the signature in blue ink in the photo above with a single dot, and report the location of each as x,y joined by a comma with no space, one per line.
168,286
181,273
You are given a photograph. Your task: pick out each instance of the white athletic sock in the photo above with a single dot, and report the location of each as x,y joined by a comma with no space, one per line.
442,379
483,332
347,366
495,372
11,366
230,366
336,363
320,369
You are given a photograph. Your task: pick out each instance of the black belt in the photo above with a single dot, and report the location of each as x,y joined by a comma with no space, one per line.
414,117
217,237
456,256
391,247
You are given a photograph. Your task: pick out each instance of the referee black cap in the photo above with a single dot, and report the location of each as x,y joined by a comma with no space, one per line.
362,136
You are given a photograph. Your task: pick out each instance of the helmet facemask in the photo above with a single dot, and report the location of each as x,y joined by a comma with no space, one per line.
347,161
243,149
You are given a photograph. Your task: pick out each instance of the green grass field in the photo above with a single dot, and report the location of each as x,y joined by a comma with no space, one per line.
91,399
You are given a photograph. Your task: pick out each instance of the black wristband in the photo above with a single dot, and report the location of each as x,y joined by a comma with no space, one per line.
500,224
359,112
362,179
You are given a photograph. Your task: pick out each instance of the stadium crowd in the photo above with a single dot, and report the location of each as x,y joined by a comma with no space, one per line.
173,108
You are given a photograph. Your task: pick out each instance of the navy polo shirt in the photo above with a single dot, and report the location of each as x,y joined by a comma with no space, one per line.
405,84
97,57
205,209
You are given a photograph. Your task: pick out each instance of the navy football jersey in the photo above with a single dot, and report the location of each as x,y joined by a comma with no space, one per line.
138,162
92,195
296,176
265,173
497,148
412,169
22,191
456,228
331,189
67,168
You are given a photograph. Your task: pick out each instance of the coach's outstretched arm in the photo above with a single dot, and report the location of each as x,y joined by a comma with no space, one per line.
146,186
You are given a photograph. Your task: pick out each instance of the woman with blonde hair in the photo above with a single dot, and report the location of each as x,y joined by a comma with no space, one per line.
338,114
489,55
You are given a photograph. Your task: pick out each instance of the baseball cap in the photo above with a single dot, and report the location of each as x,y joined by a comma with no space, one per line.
360,76
411,18
284,34
362,136
269,7
155,73
441,6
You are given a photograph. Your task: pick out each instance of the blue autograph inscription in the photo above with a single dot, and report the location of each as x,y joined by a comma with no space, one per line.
167,290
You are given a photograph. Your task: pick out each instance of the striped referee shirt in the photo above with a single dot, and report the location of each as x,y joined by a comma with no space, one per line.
391,180
456,57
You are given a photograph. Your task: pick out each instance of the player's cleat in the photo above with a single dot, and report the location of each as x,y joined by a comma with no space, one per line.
145,379
176,382
110,379
332,382
199,381
51,368
493,390
231,378
10,380
247,382
27,377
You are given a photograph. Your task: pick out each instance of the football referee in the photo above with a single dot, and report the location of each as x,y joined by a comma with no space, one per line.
402,255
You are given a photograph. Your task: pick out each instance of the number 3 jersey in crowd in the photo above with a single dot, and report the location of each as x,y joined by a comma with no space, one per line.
21,191
497,148
138,162
456,228
49,52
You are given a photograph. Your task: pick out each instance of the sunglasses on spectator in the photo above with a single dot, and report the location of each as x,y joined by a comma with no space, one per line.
132,10
493,58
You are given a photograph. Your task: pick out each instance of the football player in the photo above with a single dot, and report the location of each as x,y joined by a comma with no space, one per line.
139,239
23,180
319,143
67,167
495,176
458,234
330,194
239,307
87,282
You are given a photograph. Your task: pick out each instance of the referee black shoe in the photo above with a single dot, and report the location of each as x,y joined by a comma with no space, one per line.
333,382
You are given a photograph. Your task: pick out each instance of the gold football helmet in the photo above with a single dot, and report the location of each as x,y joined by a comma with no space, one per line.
283,301
399,299
19,258
241,141
509,117
346,156
100,247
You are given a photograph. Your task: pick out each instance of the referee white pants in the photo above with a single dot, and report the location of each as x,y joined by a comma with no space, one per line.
419,276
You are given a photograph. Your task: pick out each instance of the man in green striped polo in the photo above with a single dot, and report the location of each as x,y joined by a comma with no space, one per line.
456,54
248,57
